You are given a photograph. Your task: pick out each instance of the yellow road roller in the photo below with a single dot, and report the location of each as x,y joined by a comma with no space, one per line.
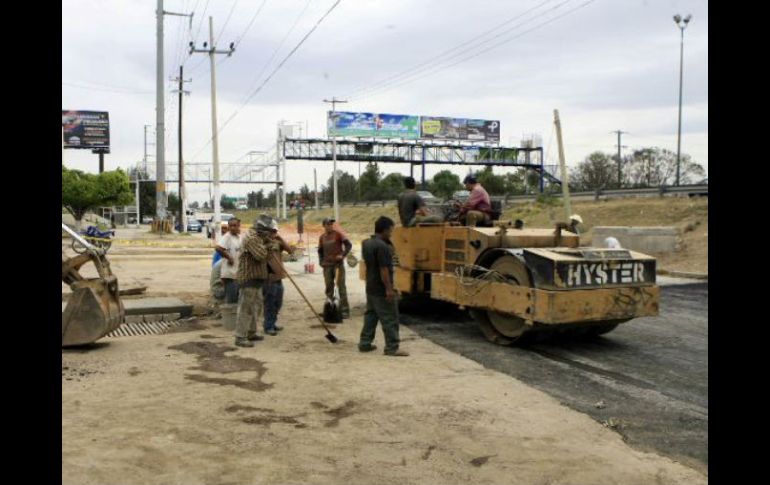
517,281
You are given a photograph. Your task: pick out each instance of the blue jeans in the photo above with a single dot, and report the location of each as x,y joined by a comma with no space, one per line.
273,296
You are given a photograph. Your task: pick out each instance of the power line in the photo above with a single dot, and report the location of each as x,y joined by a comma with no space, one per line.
270,76
227,20
379,91
251,22
277,49
437,58
203,16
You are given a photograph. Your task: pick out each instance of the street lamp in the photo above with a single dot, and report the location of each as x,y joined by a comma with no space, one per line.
682,24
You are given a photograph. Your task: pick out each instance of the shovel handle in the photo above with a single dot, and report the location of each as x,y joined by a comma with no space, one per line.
310,305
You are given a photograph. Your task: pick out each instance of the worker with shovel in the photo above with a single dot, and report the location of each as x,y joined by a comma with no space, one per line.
252,273
333,247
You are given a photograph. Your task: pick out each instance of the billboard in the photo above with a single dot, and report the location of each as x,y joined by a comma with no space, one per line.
376,125
435,127
86,129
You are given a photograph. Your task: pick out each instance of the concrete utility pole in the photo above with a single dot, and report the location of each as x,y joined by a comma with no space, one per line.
182,195
214,139
161,200
620,160
315,188
334,102
563,165
682,24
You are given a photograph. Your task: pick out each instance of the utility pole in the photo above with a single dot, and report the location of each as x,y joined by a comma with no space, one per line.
334,102
182,195
315,188
214,140
563,165
682,24
620,160
160,113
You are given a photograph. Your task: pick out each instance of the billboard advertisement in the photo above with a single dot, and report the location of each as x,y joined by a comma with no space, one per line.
86,129
376,125
435,127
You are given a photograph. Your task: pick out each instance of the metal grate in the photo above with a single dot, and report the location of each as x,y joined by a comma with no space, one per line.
142,328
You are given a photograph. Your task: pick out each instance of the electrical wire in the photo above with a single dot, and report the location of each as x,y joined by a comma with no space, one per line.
386,88
227,20
438,58
270,76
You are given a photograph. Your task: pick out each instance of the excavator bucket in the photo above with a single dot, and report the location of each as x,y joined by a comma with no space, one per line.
94,309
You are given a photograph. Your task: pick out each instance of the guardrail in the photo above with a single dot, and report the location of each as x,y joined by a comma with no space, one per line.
689,190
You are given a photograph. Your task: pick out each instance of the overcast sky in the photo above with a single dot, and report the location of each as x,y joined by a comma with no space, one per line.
605,64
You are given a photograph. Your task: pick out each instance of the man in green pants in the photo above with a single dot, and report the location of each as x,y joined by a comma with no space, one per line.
381,298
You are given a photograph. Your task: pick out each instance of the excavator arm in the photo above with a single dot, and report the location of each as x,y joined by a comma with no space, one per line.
94,309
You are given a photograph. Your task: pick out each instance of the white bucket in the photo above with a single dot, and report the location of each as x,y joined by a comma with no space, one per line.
229,314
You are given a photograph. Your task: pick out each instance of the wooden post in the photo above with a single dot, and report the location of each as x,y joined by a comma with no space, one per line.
562,165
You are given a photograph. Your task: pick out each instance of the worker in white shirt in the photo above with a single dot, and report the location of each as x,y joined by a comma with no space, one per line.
229,247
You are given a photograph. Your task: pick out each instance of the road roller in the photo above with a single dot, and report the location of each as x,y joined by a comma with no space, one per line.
518,282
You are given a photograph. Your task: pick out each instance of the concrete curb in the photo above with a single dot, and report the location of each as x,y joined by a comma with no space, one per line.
683,274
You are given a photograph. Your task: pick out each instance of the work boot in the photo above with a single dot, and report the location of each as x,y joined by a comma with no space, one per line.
254,337
272,332
367,349
345,315
398,353
243,342
278,328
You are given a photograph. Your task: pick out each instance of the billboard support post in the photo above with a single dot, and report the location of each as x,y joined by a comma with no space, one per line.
423,169
101,161
334,102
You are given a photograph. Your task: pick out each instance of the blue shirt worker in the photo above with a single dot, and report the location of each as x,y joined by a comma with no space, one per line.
381,297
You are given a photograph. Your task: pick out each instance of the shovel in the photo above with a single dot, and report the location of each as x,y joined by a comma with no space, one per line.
329,335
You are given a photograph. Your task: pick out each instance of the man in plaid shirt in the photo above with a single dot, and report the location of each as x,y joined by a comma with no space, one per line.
252,273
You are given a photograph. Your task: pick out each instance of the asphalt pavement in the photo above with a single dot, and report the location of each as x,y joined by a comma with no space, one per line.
647,379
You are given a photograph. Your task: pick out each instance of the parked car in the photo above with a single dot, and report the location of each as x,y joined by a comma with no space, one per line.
210,229
428,197
194,226
461,195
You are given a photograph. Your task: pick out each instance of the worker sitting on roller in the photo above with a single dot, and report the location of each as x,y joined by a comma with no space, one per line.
411,207
478,207
574,221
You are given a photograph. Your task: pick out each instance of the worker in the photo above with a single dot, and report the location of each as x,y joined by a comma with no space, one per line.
411,207
218,256
229,247
333,247
381,297
300,221
478,207
574,221
252,273
273,289
216,284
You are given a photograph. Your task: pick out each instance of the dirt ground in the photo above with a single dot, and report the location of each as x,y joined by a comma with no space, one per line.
190,408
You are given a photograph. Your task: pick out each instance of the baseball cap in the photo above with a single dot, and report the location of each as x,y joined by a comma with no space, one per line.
328,220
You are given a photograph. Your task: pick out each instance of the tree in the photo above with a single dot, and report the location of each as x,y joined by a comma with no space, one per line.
206,205
194,205
597,171
369,183
174,204
514,183
654,167
444,184
226,202
494,184
146,192
391,185
304,193
347,186
81,192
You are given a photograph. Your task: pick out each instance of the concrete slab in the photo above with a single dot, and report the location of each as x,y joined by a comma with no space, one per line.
155,306
650,240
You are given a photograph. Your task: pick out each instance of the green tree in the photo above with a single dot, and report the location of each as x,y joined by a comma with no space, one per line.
369,183
226,202
514,183
174,204
391,185
195,205
347,186
597,171
81,192
444,184
494,184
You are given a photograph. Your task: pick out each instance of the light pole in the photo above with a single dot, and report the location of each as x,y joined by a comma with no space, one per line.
682,24
334,102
